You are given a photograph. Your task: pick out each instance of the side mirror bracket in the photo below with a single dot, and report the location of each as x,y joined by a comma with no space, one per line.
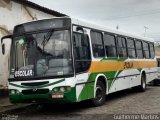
3,45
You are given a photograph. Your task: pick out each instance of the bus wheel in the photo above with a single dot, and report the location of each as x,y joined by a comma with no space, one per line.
142,87
100,95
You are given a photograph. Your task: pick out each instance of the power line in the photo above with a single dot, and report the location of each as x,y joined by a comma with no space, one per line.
129,16
153,33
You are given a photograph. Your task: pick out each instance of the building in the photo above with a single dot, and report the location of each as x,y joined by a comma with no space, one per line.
15,12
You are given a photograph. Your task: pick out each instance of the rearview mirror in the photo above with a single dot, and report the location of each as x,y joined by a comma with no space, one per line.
3,49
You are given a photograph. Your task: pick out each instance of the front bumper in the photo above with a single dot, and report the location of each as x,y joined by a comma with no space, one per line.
69,96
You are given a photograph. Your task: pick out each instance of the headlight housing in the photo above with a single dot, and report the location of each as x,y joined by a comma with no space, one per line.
62,89
13,91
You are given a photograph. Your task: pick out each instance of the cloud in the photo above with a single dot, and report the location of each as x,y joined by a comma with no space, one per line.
130,15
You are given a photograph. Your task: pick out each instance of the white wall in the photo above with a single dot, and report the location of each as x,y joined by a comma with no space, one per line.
11,15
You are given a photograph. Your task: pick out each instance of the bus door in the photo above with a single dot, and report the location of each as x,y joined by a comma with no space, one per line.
82,58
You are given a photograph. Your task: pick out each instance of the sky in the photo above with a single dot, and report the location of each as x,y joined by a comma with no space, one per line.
134,16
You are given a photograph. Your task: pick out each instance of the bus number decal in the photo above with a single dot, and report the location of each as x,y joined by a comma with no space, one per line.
128,65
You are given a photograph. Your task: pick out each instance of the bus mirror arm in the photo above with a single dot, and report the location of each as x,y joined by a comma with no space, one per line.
8,36
3,45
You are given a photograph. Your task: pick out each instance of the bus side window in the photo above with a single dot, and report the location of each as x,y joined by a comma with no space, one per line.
81,52
97,44
122,49
151,47
131,48
110,45
139,49
146,50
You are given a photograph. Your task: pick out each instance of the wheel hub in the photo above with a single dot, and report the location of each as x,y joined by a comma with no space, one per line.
99,93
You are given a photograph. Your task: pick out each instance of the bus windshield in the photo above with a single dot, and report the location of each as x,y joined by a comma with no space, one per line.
42,54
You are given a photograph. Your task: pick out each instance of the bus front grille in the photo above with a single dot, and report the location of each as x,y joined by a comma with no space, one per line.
35,83
35,91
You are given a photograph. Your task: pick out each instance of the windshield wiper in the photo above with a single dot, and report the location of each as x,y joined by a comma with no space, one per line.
47,37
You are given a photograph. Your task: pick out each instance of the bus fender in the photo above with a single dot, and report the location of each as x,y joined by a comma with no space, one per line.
142,72
97,77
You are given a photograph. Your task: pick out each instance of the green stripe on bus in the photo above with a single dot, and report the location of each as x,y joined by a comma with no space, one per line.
113,59
88,89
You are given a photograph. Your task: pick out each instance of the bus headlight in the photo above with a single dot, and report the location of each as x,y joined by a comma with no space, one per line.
14,92
62,89
55,89
17,92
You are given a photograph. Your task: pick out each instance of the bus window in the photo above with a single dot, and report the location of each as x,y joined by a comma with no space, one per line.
122,51
81,52
131,48
139,49
146,49
97,44
110,45
152,54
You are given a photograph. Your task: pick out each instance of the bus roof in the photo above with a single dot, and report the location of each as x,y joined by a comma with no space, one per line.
103,28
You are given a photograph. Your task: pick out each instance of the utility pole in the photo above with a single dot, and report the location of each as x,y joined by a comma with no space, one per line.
145,30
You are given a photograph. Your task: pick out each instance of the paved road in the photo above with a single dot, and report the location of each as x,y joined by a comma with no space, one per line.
124,102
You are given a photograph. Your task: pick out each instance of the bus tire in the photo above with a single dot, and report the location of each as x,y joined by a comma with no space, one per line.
100,95
142,87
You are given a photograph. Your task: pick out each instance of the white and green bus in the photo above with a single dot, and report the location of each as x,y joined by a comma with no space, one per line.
68,60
